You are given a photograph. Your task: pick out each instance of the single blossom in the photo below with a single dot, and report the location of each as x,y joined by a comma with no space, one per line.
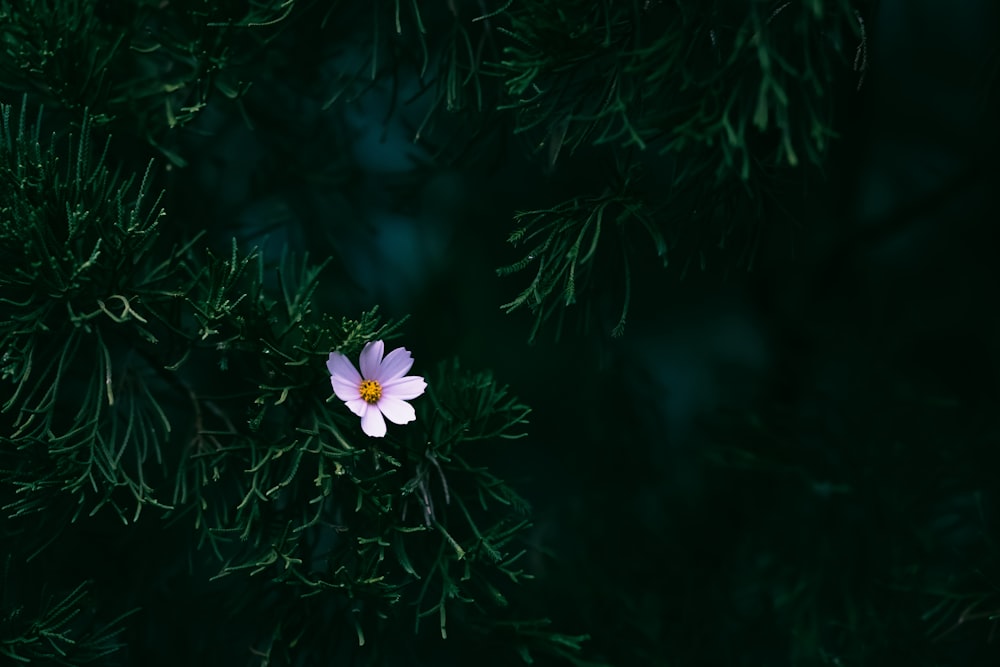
381,388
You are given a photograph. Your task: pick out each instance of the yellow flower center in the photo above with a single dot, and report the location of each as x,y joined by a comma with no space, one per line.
370,390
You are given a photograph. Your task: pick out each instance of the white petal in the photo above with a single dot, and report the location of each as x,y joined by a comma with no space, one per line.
396,410
341,366
371,357
357,406
405,388
373,424
395,365
345,389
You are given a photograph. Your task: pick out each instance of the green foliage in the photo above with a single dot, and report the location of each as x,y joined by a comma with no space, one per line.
629,73
406,527
144,374
144,66
715,107
58,630
720,103
564,243
75,241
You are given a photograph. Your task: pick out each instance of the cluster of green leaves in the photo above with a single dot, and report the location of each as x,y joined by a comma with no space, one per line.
714,103
564,241
144,66
60,629
81,418
146,373
398,531
750,83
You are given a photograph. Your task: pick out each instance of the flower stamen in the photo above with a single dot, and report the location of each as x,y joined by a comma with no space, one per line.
370,391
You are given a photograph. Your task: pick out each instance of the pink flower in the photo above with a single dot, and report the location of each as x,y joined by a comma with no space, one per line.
382,387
